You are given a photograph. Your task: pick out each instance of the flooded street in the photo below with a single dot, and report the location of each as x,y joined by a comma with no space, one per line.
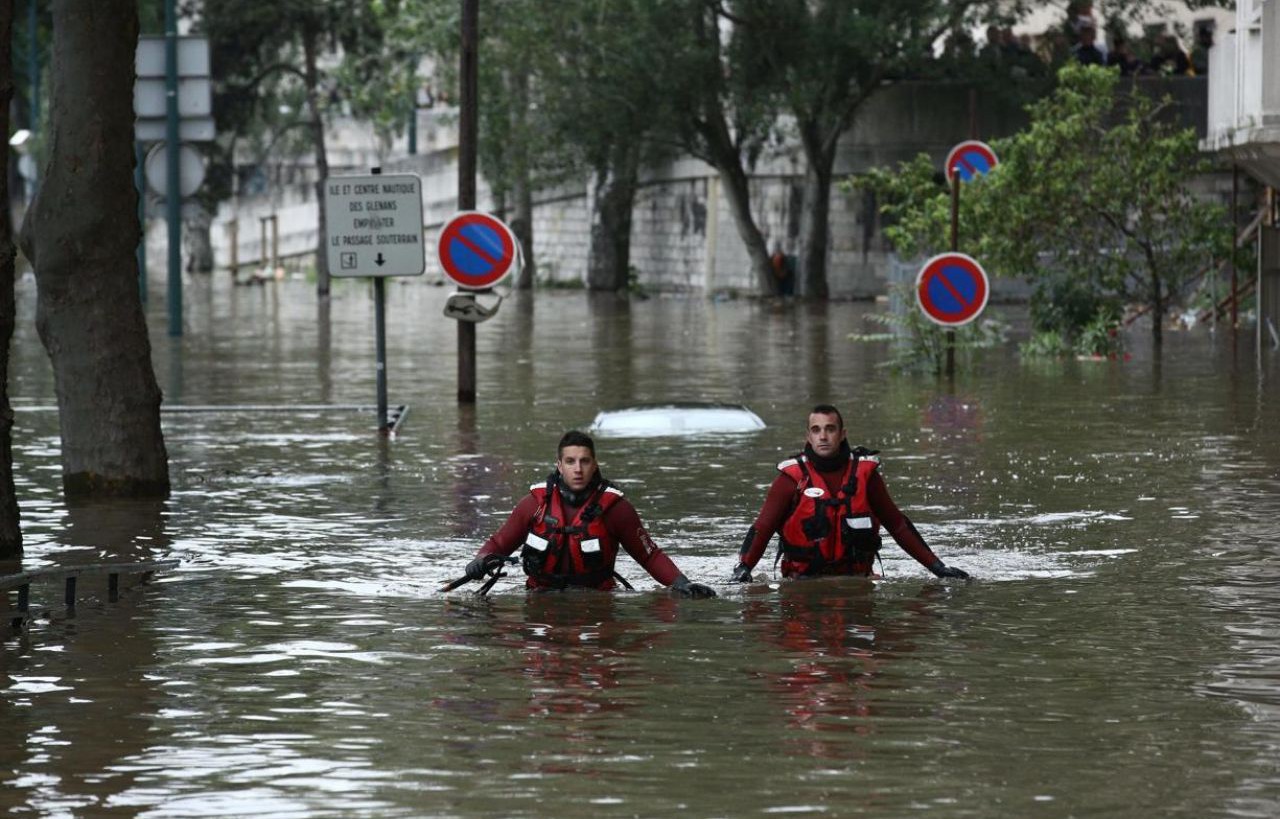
1116,654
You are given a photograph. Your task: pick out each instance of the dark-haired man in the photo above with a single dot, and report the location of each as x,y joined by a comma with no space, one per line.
828,504
568,529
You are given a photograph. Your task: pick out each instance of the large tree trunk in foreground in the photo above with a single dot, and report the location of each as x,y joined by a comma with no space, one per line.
609,257
81,235
10,531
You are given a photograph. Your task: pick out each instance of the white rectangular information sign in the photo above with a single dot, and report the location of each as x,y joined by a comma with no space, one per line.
374,225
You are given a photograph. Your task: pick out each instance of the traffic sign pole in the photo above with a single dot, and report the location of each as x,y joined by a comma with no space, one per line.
468,114
380,343
173,199
965,163
374,230
380,347
955,248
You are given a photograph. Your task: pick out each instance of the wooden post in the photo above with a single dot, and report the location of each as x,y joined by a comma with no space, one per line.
1231,260
275,243
233,238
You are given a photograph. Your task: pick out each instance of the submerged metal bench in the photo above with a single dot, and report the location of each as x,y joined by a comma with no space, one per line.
22,582
395,414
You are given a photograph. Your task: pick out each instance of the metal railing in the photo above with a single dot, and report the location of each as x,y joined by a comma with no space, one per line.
70,577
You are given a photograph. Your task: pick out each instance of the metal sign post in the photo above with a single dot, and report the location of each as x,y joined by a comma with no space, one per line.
468,148
173,102
965,162
173,205
380,349
374,230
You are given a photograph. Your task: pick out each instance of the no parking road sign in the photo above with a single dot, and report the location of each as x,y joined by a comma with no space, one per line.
477,250
952,289
969,160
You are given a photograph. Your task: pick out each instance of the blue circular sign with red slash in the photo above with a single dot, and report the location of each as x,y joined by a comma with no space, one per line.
969,160
952,289
476,250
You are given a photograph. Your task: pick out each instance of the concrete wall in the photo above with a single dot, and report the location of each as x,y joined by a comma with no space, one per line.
683,235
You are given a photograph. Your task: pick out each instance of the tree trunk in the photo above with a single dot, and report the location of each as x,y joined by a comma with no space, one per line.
312,81
199,245
10,530
738,193
81,235
815,215
1157,312
522,227
517,83
609,257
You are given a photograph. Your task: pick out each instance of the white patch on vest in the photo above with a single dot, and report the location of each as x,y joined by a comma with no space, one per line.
875,459
814,492
591,546
788,462
613,491
858,523
535,486
538,544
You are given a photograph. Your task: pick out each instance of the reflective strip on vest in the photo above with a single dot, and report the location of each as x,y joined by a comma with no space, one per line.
538,544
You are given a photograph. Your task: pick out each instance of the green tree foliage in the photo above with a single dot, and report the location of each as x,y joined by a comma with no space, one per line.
567,90
828,57
1090,201
273,88
605,98
516,149
726,96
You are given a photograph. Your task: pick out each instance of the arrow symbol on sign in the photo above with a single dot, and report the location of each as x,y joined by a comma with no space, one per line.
380,261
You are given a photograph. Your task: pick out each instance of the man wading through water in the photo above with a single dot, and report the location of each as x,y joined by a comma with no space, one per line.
829,503
569,527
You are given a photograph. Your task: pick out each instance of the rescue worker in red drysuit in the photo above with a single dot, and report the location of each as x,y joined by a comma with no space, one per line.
828,504
569,527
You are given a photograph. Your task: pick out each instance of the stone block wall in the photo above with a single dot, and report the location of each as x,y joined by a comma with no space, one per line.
683,232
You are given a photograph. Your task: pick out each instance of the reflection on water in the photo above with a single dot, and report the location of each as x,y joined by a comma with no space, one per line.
836,650
1115,656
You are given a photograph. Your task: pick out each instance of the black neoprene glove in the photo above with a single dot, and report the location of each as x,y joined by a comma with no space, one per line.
482,565
741,574
941,569
685,588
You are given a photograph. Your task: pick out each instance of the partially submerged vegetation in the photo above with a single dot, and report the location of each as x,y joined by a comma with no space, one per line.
1090,203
